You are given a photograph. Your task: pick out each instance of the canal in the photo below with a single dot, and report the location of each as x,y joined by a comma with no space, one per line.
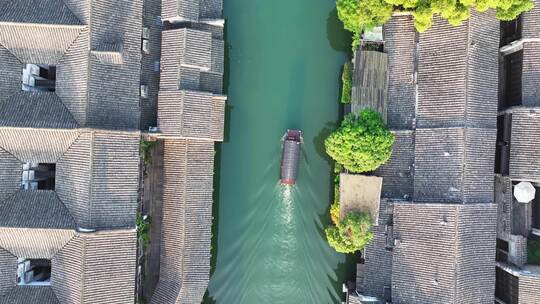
283,63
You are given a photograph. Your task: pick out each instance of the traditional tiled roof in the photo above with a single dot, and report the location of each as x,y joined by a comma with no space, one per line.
191,114
444,253
189,104
377,267
529,288
442,109
86,267
39,11
34,243
30,294
35,209
189,58
399,35
36,110
454,165
187,218
97,64
524,154
150,69
530,78
458,74
96,175
192,10
531,27
398,172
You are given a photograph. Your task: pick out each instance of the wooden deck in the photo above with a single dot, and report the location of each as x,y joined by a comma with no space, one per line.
360,193
370,82
152,205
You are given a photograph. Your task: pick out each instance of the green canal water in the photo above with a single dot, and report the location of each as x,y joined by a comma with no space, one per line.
283,59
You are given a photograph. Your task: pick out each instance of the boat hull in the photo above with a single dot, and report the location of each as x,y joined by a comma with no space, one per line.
290,156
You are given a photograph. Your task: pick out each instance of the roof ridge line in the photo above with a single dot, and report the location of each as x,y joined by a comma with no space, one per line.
91,176
71,11
30,24
67,209
465,115
183,256
71,144
72,43
456,245
60,60
8,251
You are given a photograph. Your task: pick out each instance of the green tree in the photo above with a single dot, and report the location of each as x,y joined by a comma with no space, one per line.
362,143
360,15
351,234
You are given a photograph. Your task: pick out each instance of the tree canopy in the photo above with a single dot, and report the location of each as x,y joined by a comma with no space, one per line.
351,234
362,143
360,15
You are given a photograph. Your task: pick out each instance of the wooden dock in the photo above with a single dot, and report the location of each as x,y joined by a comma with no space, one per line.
370,82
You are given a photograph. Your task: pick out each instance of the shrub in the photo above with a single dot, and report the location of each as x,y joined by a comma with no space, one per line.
146,148
346,80
361,144
360,15
143,229
334,213
351,234
533,252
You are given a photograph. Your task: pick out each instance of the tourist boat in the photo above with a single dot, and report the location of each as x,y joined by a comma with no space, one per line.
290,156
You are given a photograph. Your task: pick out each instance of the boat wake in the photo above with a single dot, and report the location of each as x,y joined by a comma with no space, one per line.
287,202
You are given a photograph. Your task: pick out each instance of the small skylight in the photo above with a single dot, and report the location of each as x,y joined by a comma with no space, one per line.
33,272
36,176
39,77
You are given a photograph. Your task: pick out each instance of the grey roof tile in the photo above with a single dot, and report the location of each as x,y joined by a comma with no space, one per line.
35,110
38,44
531,74
36,209
184,51
186,235
10,174
36,145
524,161
94,267
30,294
454,165
445,254
531,27
34,243
191,114
97,172
458,74
38,11
399,35
98,86
398,172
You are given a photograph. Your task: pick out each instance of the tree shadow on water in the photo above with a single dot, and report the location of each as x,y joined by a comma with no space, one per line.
339,38
318,141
